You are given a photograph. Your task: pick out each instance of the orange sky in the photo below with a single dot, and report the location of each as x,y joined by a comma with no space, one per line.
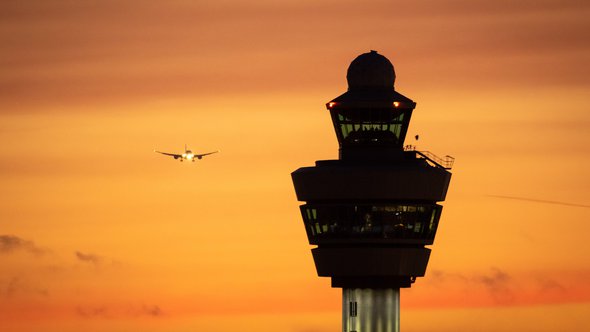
98,233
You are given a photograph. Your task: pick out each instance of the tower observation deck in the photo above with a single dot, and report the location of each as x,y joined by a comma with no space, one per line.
371,213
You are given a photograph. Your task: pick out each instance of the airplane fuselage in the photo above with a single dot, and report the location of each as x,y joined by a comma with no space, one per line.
187,155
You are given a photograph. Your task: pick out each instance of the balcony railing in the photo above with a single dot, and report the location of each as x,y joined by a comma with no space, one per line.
446,162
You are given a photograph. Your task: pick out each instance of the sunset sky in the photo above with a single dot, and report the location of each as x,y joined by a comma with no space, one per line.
99,233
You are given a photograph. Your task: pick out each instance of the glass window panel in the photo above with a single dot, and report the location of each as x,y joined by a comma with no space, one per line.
384,126
418,227
385,221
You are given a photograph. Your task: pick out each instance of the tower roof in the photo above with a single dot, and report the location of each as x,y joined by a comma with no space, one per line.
371,79
370,71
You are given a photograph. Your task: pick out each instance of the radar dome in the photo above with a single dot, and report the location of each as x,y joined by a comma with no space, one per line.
370,71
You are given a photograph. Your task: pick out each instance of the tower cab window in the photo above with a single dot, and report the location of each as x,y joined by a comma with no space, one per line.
369,126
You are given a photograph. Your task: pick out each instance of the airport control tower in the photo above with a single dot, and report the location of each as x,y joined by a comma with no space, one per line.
372,212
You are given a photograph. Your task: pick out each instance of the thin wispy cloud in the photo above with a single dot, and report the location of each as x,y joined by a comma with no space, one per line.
498,284
136,64
11,243
150,310
19,286
546,285
103,311
92,311
88,258
502,287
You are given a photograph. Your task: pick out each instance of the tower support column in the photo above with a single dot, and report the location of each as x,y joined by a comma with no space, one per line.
370,310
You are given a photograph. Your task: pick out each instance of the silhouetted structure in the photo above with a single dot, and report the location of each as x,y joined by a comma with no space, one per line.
372,212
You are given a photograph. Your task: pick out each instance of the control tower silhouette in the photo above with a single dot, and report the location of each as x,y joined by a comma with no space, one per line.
372,212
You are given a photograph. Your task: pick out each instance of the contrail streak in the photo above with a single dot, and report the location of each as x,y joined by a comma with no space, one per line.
540,201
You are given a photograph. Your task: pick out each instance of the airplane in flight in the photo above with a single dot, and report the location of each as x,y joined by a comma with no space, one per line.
187,155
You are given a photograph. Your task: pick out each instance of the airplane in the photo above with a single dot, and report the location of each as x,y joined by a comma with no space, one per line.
187,155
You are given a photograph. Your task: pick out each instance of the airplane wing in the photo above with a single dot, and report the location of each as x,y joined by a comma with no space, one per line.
176,156
205,154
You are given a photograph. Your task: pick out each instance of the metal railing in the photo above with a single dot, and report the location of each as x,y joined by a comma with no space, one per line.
446,162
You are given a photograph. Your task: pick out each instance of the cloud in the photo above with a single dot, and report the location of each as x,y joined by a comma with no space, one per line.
150,310
498,284
227,47
11,243
439,276
89,258
549,285
495,280
102,311
92,312
18,286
